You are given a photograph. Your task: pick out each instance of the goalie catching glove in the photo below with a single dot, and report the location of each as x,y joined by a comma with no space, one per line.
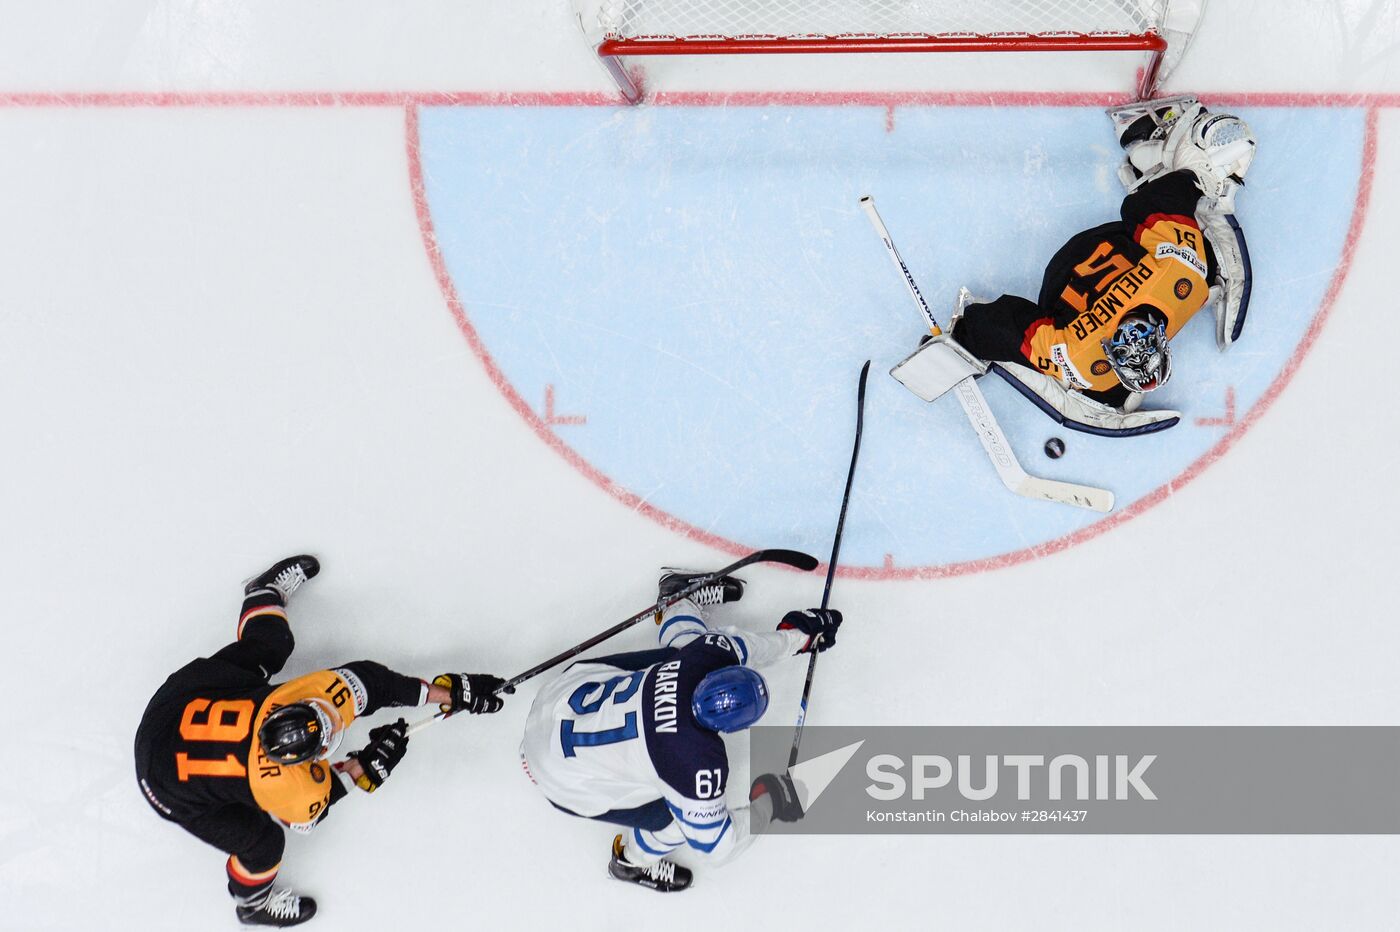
819,624
1178,134
387,746
474,693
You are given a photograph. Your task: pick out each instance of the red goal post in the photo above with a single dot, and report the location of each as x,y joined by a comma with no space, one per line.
620,28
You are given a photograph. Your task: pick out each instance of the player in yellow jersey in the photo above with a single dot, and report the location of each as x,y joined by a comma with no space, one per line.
232,758
1099,336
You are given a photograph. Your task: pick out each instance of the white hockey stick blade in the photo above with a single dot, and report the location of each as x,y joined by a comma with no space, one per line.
1009,469
1066,493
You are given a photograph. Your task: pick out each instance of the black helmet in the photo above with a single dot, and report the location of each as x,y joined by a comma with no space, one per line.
302,731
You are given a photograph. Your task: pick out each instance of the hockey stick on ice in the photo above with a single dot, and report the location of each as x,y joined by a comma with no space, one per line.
835,554
979,413
795,559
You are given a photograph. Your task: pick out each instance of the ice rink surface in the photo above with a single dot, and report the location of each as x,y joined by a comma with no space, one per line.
398,285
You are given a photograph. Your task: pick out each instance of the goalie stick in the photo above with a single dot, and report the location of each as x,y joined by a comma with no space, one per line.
835,553
793,558
979,413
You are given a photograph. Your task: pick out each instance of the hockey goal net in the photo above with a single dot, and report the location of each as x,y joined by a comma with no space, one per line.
620,28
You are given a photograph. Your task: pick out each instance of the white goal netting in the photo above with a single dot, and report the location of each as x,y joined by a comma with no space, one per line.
739,19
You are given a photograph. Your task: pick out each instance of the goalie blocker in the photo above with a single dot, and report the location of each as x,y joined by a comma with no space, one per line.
939,364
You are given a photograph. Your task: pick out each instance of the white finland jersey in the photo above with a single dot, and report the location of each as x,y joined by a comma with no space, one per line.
617,733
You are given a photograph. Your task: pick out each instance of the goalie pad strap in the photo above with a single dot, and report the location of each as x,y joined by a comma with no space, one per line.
1076,412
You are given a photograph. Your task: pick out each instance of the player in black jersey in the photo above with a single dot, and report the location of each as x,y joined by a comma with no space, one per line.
228,755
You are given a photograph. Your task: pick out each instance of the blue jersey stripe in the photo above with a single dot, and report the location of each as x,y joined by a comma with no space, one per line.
637,834
707,847
661,635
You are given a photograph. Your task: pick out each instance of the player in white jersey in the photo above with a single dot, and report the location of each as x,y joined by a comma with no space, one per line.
634,739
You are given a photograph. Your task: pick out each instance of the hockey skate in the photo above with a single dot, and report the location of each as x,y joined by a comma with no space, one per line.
725,589
1161,115
663,876
282,908
285,576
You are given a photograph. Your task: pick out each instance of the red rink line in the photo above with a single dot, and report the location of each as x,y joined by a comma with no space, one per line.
411,101
79,99
309,99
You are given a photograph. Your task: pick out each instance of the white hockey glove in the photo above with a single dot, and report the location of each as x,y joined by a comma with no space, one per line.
1218,149
1235,279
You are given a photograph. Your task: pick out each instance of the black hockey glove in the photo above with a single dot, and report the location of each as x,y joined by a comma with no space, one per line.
783,792
387,746
814,622
472,692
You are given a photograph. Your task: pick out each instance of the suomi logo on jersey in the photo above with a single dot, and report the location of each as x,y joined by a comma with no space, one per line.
673,297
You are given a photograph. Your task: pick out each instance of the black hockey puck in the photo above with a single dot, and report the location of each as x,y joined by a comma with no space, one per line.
1054,448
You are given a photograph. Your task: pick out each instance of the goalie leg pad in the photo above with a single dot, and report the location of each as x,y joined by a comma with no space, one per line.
933,369
1076,412
1235,281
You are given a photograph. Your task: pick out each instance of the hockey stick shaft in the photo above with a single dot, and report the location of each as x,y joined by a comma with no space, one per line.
979,413
831,565
867,204
793,558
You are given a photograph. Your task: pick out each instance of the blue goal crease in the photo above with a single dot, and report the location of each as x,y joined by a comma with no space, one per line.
701,284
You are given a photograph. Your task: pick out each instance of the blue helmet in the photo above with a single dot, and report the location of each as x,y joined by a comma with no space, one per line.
730,699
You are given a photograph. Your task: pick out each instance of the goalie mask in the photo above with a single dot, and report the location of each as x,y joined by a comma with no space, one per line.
1139,352
306,730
